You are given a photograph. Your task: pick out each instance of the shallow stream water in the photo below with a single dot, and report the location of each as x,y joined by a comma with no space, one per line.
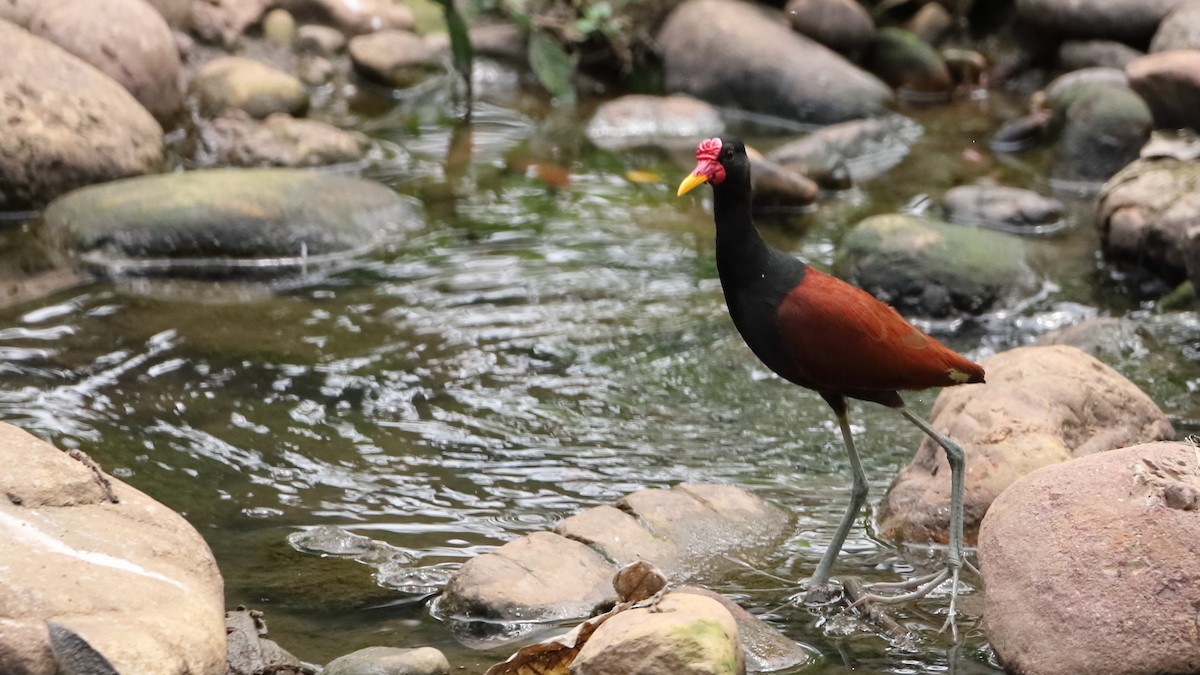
552,342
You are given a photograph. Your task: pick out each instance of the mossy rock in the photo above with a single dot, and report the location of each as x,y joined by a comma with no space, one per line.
933,268
905,61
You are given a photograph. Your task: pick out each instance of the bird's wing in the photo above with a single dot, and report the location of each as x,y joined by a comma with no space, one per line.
840,338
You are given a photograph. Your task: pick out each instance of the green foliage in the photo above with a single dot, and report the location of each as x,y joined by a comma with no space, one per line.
552,65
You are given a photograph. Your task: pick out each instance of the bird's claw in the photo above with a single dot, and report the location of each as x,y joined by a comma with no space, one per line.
820,595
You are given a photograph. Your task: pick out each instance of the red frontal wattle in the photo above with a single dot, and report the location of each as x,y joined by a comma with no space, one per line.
707,163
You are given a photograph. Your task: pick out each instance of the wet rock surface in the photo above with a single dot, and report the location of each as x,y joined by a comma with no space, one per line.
1180,29
637,119
1090,565
1077,54
1040,406
907,63
50,145
225,221
234,138
1007,209
764,67
89,553
685,530
689,634
390,661
858,150
249,652
933,268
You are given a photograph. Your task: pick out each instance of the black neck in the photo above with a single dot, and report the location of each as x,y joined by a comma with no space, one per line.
742,255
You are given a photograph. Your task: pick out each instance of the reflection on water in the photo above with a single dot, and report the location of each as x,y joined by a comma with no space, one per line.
539,350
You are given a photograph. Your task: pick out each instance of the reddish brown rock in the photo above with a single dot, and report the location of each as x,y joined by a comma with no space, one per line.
1040,406
1091,566
1170,84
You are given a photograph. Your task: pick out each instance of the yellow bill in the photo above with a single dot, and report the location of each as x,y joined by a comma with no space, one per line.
690,183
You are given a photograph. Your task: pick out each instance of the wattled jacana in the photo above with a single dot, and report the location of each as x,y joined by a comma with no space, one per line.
824,334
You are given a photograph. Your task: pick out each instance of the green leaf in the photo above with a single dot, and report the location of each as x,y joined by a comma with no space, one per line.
551,65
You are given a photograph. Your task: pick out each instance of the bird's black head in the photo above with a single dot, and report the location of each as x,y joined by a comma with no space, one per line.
718,160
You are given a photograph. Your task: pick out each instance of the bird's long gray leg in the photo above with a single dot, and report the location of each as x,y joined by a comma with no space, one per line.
957,459
818,590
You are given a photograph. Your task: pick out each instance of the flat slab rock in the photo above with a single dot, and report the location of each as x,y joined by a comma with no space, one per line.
212,222
130,577
1091,565
567,574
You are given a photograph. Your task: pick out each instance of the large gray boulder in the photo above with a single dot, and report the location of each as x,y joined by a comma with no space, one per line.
222,222
1041,405
66,124
89,554
1091,566
732,54
138,51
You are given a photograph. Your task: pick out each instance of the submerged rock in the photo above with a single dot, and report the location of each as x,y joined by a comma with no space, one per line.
1148,213
1040,406
544,577
224,222
66,124
933,268
236,139
689,634
92,555
859,149
390,661
1001,208
763,67
248,652
638,119
138,51
1090,566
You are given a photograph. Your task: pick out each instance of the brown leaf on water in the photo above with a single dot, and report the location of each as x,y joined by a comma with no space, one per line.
553,656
